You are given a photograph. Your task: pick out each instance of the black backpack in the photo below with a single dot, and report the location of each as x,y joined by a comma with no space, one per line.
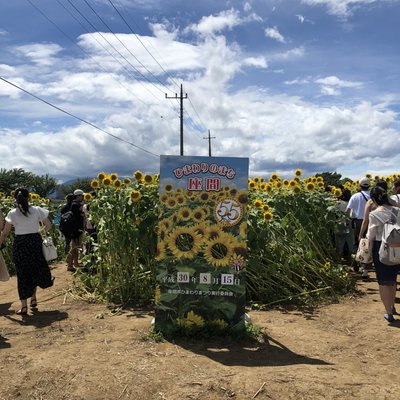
69,225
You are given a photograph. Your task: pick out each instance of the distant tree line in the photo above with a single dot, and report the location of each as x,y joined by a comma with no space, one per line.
43,185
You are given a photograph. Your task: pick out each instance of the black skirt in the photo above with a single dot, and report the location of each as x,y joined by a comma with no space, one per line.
31,266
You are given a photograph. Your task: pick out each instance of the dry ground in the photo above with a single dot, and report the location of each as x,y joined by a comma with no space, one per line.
74,350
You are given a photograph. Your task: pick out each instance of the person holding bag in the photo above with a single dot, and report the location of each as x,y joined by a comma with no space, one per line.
31,266
386,275
4,276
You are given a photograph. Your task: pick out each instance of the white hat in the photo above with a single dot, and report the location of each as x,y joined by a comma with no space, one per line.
78,192
365,183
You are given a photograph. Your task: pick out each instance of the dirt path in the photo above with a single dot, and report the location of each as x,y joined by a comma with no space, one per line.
74,350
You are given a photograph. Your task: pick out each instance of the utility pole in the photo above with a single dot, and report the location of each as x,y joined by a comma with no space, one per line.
181,98
209,142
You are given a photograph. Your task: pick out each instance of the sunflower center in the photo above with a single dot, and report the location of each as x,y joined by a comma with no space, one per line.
219,251
184,242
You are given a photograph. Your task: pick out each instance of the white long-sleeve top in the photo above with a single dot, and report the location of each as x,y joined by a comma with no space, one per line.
375,226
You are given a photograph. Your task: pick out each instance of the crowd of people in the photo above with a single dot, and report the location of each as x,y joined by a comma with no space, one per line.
363,215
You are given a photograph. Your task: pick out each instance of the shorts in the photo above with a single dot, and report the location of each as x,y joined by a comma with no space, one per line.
386,275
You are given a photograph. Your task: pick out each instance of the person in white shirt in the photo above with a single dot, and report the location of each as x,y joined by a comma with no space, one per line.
355,209
31,266
386,275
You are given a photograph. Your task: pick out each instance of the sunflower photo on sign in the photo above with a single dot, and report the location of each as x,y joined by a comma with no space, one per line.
201,250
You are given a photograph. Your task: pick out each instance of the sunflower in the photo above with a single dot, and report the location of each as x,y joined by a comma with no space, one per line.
310,186
101,176
148,179
165,223
191,320
87,197
160,252
184,213
95,184
201,229
274,176
242,197
278,184
218,324
265,207
240,249
136,196
156,177
268,188
184,242
138,175
218,252
117,183
263,185
286,182
292,183
257,203
168,187
369,176
180,199
233,192
127,181
199,214
171,202
252,185
243,229
337,192
268,216
298,172
107,181
213,232
256,179
114,176
204,196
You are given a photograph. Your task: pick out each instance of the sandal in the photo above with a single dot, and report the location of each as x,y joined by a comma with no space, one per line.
33,303
389,317
22,311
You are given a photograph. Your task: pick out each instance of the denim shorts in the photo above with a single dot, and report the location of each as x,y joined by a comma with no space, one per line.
385,274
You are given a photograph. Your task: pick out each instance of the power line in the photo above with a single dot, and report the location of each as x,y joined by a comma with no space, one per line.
126,48
83,50
116,50
78,118
138,38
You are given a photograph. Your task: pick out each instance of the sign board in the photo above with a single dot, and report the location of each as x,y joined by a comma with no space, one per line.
201,248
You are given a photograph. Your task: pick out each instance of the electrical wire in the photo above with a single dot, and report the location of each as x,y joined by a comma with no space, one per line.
141,42
83,50
78,118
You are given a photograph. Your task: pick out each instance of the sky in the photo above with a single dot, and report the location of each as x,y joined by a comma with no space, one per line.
94,85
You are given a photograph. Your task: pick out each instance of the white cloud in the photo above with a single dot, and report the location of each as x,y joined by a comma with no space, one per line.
3,32
247,7
42,54
217,23
297,82
273,33
258,62
291,54
340,8
300,18
335,81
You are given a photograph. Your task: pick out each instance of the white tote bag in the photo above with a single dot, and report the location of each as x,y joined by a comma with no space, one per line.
49,250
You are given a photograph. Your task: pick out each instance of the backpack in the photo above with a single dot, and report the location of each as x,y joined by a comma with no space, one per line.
389,252
69,225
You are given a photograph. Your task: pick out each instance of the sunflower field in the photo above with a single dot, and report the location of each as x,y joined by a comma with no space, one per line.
290,255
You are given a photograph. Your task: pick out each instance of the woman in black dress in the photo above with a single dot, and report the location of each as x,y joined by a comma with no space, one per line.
31,266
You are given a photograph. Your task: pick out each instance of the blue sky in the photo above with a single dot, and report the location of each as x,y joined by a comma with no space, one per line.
311,84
